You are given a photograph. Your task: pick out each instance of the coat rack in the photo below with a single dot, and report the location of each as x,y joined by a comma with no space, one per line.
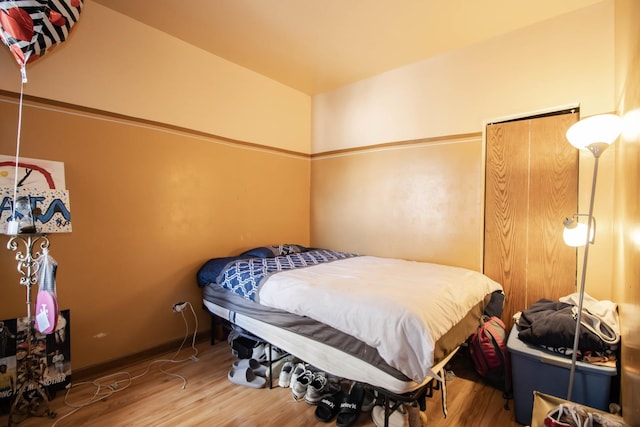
31,398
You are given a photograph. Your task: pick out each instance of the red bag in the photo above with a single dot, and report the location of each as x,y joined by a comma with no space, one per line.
488,349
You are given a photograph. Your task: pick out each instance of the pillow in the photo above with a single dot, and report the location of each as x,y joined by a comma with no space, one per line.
209,272
273,251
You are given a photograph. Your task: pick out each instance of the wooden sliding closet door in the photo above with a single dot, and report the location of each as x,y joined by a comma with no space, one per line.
531,185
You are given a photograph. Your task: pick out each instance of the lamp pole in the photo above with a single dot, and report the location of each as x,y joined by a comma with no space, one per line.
596,149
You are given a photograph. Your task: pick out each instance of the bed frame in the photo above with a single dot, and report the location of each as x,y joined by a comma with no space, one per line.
405,391
456,299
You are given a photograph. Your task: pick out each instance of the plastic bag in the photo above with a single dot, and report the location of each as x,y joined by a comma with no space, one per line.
571,415
46,301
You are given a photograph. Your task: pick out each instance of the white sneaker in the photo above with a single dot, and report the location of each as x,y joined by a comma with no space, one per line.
298,370
258,352
300,385
277,354
277,366
284,380
261,353
317,388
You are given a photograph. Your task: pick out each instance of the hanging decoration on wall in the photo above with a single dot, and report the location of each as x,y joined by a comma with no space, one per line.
42,184
30,28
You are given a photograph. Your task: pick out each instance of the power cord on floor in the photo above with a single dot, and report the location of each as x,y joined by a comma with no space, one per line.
107,385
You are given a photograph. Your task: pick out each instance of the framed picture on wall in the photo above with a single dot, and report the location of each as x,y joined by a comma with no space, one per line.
42,183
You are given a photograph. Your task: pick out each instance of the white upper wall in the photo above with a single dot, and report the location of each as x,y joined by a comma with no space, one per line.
114,63
565,60
111,62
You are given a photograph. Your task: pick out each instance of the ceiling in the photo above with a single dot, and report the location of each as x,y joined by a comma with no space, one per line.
318,45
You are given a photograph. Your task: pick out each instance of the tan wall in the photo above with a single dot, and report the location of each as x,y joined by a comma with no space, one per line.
149,205
116,64
565,60
402,201
626,275
374,112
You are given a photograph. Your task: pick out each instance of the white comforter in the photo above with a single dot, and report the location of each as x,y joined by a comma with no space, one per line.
399,307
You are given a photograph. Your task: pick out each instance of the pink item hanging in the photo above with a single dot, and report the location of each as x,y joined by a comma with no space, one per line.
46,304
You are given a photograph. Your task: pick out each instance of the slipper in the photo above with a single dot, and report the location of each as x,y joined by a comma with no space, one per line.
328,407
398,418
246,377
252,364
350,406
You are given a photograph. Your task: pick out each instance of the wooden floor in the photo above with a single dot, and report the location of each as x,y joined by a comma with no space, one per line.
209,399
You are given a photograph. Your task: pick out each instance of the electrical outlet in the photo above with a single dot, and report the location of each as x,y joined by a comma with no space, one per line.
179,306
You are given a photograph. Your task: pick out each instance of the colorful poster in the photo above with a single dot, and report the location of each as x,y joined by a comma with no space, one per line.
32,173
42,182
49,209
49,356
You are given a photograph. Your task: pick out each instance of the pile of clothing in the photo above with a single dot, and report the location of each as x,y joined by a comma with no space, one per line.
552,325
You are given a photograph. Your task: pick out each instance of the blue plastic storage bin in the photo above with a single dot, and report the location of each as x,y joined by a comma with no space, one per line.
534,368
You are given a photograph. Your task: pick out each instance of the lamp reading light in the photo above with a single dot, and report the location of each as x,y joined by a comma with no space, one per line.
595,133
575,232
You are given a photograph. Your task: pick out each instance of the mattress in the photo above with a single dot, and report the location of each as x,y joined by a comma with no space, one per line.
399,307
330,350
381,321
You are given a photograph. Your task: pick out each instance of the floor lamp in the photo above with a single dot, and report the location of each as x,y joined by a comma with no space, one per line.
594,134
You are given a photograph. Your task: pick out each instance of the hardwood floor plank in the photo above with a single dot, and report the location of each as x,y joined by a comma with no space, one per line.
210,399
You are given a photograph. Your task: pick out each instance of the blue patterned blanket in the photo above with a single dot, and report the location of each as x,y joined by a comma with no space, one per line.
244,276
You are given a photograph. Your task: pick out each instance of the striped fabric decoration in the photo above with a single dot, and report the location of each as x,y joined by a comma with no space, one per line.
31,27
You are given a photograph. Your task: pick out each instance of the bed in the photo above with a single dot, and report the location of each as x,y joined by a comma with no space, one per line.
388,323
